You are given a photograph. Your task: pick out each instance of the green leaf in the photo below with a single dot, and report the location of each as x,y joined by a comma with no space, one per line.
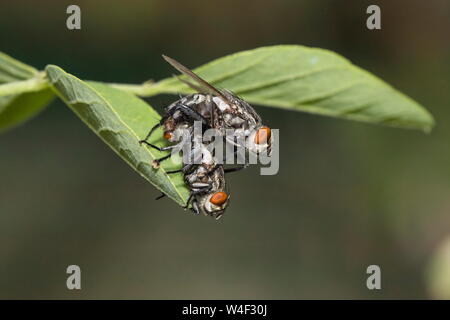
312,80
13,70
17,108
120,119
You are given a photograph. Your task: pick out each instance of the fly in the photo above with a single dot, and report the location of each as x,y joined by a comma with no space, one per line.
227,111
217,109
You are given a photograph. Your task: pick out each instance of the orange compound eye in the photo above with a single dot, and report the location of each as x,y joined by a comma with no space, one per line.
263,135
167,135
219,198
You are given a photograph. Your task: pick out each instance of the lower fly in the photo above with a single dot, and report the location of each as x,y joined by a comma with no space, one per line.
208,191
206,179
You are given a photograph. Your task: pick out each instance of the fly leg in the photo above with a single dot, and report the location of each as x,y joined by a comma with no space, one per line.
186,169
162,195
195,208
157,162
158,148
185,110
151,131
175,171
189,200
228,170
188,112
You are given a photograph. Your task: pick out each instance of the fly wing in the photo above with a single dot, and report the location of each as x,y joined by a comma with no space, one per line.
202,87
190,84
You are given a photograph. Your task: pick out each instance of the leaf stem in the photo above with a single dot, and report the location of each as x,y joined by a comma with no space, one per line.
36,83
146,89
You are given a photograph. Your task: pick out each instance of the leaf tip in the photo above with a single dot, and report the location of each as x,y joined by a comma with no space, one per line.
427,129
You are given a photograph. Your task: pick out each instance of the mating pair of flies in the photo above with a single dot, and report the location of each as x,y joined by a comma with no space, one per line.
216,109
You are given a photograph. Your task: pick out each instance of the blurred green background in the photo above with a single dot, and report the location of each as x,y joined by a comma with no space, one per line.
347,195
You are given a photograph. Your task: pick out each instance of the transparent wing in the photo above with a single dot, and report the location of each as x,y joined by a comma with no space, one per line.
202,86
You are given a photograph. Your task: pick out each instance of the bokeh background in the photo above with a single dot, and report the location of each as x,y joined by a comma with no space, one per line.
347,195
